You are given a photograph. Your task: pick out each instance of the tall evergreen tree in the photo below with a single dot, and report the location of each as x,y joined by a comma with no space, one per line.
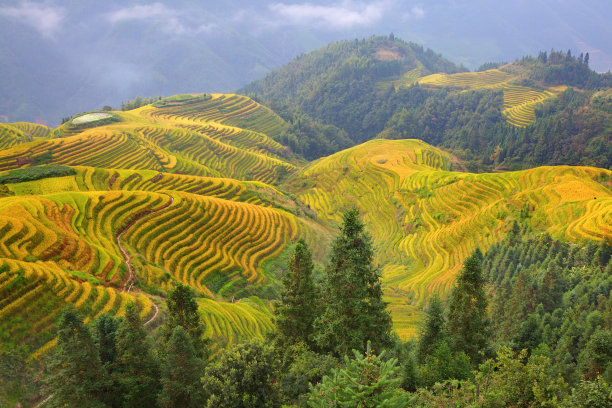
137,370
244,376
434,330
77,378
352,296
368,381
180,373
105,331
183,311
105,337
468,325
296,312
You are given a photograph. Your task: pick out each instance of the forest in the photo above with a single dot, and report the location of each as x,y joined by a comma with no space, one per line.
337,97
526,325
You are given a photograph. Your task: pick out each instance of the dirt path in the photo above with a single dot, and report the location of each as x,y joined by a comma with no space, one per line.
129,284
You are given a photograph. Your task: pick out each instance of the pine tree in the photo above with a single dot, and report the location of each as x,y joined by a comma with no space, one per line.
180,373
76,374
468,325
296,312
105,331
352,296
368,381
434,330
244,376
183,311
137,370
105,337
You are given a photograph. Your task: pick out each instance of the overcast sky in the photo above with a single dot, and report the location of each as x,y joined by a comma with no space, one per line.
87,52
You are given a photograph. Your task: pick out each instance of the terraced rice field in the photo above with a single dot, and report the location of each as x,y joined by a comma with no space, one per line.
425,219
519,101
201,138
189,192
213,234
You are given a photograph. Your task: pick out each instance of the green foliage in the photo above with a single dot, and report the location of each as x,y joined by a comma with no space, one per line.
591,394
19,379
339,102
36,173
368,381
296,312
338,86
105,332
560,68
551,292
76,377
183,311
312,139
468,324
434,328
138,102
301,367
137,371
180,373
244,376
442,364
525,381
354,312
184,99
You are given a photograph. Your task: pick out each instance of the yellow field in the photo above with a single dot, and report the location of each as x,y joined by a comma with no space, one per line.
519,101
198,138
425,220
191,191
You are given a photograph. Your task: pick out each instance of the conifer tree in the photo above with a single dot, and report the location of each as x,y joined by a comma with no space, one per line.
105,337
468,325
77,378
183,311
352,296
137,370
180,373
105,331
434,330
368,381
296,312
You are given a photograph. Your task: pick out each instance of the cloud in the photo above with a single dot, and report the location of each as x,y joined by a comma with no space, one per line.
169,20
43,17
417,11
345,14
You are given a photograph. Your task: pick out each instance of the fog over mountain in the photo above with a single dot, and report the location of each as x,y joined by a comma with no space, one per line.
58,58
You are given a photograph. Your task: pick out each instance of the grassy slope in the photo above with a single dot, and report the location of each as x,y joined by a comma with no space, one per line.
222,234
425,219
58,242
519,101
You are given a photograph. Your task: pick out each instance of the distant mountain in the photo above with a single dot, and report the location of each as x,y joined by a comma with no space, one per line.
544,110
58,58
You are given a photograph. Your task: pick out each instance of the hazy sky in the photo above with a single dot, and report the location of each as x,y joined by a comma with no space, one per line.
60,57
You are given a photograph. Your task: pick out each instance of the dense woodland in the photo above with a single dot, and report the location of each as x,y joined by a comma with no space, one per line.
333,99
528,324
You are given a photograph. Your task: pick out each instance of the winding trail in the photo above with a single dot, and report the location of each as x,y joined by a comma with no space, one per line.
129,284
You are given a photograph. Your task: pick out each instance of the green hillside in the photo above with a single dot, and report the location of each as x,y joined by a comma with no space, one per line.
529,113
115,208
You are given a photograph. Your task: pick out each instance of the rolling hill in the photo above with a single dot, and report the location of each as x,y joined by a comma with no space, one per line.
505,117
113,207
426,219
520,102
127,201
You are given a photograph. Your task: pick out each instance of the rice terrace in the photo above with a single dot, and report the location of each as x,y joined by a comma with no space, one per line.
370,220
157,171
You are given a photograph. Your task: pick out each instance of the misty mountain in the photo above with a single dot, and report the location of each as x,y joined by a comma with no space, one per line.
58,57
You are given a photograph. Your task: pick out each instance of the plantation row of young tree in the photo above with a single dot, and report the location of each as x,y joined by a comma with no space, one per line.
528,324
